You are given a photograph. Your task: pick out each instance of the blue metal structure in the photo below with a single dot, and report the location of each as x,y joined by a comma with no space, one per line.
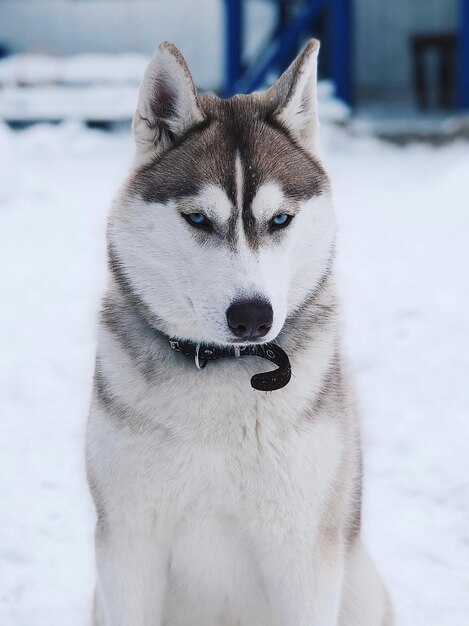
463,56
340,50
286,38
234,15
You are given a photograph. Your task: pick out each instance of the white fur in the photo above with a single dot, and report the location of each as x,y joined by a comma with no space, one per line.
213,201
300,113
222,514
164,68
283,274
268,201
214,513
219,505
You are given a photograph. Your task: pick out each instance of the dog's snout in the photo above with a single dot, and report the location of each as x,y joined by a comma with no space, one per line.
250,319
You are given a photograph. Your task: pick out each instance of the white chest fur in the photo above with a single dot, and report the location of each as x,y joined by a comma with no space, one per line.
214,475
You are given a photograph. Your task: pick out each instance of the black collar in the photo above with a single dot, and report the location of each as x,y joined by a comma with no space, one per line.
268,381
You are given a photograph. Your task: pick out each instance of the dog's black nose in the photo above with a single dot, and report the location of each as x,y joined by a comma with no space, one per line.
250,319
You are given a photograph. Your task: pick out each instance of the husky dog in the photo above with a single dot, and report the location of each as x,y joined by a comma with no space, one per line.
218,501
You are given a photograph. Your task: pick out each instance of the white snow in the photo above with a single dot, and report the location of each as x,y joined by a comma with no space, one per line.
37,69
46,103
404,278
96,87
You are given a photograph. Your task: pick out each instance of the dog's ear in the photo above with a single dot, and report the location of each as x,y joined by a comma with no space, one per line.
167,103
294,97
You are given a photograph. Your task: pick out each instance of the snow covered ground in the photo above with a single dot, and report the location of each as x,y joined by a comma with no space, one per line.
404,278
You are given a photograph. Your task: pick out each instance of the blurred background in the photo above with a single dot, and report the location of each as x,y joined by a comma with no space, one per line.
401,59
394,111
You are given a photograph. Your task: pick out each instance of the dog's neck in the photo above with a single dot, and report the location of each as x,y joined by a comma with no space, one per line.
317,313
130,317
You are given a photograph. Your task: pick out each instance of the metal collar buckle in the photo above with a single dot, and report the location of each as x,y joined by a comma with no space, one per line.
198,364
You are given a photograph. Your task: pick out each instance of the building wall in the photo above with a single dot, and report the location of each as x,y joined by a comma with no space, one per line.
74,26
381,27
382,30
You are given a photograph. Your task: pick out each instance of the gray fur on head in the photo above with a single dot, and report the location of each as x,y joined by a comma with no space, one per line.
169,107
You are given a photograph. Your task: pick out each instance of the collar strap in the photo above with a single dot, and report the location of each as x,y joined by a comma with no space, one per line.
267,381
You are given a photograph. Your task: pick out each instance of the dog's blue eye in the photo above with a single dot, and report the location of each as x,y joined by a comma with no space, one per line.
198,220
282,220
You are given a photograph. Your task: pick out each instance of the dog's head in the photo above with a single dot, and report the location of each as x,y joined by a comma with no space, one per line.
225,226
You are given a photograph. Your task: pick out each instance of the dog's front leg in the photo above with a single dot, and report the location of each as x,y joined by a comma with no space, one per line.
132,577
305,584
